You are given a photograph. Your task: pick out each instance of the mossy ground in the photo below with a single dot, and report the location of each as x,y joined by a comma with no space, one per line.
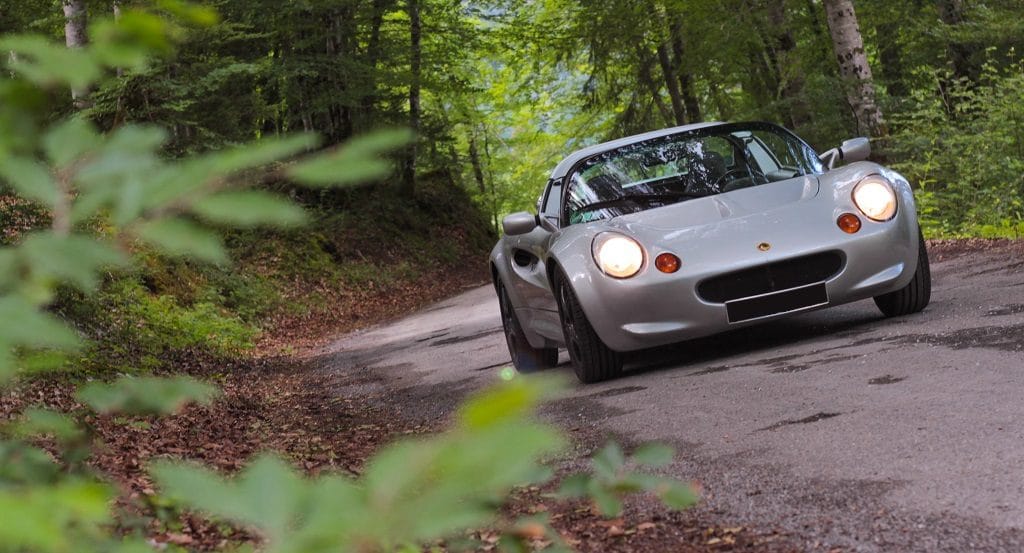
373,254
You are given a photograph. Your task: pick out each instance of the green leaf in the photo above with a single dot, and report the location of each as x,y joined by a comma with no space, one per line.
69,141
183,238
609,461
10,269
146,395
510,400
76,259
267,495
634,482
355,162
676,495
129,41
44,422
134,545
653,454
249,209
8,365
47,63
203,16
52,518
23,325
574,486
606,501
30,179
261,153
21,463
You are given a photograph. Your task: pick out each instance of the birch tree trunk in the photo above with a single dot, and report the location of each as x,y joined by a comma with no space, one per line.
853,66
75,37
116,7
415,31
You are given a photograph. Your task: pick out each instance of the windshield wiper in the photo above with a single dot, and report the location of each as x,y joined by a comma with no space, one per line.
635,198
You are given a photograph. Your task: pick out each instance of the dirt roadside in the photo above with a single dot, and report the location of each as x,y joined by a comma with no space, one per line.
291,405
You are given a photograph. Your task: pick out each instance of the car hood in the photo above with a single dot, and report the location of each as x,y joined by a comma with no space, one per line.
711,210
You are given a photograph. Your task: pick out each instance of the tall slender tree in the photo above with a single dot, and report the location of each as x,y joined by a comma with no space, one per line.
853,66
672,84
951,12
75,37
686,79
415,32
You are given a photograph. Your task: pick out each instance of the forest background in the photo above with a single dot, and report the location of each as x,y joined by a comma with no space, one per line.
499,91
495,94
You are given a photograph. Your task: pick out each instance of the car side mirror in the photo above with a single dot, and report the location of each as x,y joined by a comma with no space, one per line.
854,149
519,223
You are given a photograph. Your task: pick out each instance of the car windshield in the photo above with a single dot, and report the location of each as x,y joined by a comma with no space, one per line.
684,166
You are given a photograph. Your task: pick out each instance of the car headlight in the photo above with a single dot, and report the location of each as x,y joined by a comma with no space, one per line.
875,198
618,255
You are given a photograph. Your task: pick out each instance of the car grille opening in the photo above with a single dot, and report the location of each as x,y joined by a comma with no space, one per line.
772,277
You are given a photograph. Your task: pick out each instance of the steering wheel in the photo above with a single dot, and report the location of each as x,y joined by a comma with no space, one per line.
740,172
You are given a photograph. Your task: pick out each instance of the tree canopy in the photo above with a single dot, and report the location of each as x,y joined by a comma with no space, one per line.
498,90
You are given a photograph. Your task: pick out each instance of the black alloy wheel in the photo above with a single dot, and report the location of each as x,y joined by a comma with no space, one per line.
592,360
525,357
915,296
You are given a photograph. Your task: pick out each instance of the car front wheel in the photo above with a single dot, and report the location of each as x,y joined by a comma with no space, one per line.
914,296
591,359
525,357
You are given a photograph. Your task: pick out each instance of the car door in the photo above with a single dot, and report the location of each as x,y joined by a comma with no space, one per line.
528,253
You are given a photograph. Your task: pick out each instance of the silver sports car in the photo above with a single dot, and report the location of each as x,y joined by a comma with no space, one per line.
690,231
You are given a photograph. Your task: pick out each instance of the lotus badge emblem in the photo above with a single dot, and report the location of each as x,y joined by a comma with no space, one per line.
764,246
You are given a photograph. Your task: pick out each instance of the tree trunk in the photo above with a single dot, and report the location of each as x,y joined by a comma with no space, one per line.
75,37
116,8
890,59
372,57
648,81
74,23
853,66
791,83
672,84
690,103
409,170
494,193
478,169
951,12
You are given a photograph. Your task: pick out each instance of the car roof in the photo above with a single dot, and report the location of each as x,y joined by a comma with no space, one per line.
566,164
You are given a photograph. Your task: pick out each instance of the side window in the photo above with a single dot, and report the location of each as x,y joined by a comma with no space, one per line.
764,158
550,205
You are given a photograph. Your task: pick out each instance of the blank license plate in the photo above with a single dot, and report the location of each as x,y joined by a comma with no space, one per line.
777,303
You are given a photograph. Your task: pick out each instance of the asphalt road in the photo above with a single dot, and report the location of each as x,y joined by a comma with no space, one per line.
840,427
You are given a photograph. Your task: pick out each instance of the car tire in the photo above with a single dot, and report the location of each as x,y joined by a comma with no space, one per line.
592,360
914,296
525,358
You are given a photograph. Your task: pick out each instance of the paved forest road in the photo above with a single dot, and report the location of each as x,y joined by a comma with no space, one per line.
841,427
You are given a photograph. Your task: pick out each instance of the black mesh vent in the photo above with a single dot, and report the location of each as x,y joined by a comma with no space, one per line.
772,277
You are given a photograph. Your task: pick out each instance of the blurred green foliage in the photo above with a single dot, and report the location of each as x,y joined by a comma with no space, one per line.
615,476
113,201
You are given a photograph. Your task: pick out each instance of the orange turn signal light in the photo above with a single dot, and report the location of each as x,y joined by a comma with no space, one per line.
848,223
667,263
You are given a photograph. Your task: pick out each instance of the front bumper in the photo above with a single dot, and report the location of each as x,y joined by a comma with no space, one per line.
653,308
